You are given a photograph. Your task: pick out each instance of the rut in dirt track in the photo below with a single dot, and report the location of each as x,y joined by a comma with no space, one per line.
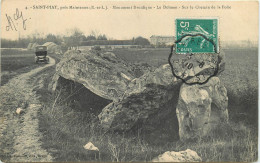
25,144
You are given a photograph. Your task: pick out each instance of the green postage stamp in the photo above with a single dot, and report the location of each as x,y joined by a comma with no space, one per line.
196,36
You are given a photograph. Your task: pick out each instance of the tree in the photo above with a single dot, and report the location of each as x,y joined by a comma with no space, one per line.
90,37
52,38
95,33
141,41
74,40
102,37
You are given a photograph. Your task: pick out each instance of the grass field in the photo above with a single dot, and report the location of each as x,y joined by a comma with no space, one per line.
66,129
241,80
15,62
17,52
154,57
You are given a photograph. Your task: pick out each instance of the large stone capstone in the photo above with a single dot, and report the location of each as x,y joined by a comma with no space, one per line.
201,108
102,73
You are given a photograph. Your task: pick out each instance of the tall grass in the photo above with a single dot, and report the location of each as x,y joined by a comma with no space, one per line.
67,129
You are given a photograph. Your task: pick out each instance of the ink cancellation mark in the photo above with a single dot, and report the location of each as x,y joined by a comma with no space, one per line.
196,58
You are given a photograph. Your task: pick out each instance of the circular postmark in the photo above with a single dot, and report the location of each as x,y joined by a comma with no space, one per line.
194,68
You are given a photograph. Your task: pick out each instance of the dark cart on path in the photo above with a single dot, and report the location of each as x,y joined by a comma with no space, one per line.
41,54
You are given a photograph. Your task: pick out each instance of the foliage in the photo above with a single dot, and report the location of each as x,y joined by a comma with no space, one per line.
141,41
53,38
102,37
90,37
74,39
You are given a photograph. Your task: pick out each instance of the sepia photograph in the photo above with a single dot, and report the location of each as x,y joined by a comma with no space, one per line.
129,81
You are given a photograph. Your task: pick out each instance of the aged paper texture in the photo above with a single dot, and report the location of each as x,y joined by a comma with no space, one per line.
123,81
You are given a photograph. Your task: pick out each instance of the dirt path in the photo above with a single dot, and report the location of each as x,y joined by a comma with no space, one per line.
19,134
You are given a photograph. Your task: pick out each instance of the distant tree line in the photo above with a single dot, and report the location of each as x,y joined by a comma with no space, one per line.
74,39
106,42
135,41
23,42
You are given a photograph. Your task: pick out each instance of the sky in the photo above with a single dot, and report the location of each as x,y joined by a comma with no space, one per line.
239,22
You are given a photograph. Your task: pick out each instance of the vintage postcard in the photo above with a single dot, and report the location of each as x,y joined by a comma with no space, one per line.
129,81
